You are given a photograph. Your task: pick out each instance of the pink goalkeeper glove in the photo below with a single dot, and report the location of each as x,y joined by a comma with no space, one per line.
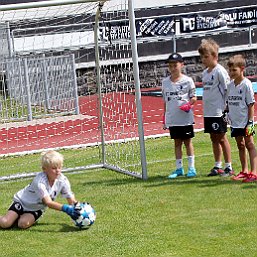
185,107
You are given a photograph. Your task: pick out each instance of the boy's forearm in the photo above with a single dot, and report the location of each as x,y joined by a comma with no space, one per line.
55,205
71,200
250,112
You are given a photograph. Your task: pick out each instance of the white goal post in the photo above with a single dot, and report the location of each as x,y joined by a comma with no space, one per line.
69,80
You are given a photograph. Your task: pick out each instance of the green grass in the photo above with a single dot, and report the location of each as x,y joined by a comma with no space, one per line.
158,217
13,110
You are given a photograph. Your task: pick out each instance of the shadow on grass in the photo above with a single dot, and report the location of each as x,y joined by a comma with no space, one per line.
115,182
162,180
47,227
65,228
200,181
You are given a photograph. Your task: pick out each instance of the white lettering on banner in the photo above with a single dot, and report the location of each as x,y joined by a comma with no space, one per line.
145,24
209,22
170,26
188,24
247,15
114,32
239,15
229,16
163,29
152,26
159,25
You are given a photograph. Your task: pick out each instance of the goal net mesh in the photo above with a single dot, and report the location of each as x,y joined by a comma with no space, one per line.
49,94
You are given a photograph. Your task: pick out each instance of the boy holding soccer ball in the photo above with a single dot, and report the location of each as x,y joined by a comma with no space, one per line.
215,79
178,92
241,109
30,202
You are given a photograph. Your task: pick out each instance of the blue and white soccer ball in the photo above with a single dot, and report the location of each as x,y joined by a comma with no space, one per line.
87,216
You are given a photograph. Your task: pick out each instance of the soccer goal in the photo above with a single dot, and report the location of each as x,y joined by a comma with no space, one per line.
70,81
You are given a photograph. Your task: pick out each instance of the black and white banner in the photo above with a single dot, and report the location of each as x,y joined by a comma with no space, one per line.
243,17
114,31
165,26
162,26
240,17
152,27
200,23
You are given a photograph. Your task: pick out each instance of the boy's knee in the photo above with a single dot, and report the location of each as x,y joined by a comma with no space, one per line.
5,223
240,145
23,224
250,145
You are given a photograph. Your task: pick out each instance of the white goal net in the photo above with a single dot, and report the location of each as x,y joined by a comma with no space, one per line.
69,81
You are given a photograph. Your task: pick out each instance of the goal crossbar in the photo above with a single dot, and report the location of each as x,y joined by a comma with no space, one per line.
12,7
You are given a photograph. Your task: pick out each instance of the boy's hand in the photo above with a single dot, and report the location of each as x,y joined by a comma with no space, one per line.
225,116
163,122
185,107
72,211
250,129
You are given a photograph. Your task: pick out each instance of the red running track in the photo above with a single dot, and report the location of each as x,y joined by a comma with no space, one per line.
83,129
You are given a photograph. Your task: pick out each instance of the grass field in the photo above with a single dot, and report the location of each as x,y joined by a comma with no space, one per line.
185,217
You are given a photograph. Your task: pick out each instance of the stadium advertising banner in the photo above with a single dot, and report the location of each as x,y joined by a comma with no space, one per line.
114,31
149,27
165,26
243,17
161,26
240,17
195,23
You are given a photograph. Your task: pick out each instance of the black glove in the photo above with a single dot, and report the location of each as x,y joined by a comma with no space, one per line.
225,116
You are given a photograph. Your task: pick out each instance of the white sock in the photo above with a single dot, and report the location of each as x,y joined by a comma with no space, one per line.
228,165
191,161
179,163
218,164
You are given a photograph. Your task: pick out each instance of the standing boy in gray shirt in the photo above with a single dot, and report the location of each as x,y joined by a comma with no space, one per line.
178,92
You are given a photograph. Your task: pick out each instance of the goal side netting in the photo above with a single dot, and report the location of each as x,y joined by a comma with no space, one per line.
69,80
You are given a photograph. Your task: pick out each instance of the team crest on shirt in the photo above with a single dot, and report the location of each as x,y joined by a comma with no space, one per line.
17,206
215,126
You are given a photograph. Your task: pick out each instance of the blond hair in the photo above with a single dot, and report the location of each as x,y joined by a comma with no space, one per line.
208,46
237,61
51,158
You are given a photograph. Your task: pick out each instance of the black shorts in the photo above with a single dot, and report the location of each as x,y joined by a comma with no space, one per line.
216,125
237,132
181,132
17,207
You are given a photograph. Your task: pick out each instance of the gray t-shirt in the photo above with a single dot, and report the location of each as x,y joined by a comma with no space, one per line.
214,91
31,196
239,98
176,94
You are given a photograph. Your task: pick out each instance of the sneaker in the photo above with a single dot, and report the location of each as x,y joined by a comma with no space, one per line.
177,173
239,176
215,171
227,173
251,177
191,172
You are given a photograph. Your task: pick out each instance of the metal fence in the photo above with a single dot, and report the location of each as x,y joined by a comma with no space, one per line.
38,86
